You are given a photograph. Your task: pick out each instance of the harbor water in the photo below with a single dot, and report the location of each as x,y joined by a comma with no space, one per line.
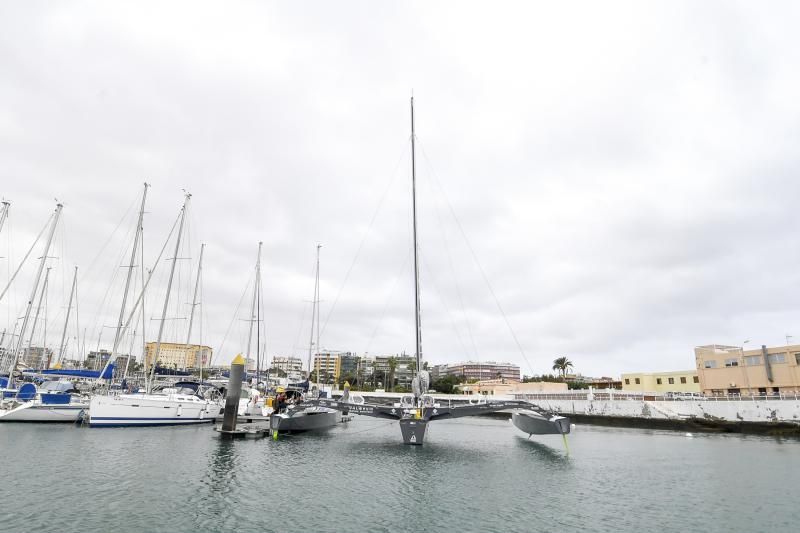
478,474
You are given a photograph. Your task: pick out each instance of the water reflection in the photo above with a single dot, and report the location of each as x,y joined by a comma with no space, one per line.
479,476
542,451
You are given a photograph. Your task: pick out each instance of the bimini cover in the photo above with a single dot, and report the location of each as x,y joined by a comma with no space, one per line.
56,386
26,392
77,373
3,383
191,385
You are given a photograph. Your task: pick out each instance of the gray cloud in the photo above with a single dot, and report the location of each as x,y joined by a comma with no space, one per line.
625,173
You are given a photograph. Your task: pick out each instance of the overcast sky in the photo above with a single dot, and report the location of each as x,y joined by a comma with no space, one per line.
625,173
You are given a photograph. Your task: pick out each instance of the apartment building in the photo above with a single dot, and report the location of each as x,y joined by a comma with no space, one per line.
732,370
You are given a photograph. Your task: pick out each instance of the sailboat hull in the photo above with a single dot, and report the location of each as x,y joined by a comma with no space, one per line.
37,412
310,419
413,430
150,410
533,423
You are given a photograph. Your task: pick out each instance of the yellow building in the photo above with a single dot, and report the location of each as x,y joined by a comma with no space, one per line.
493,387
661,382
175,355
732,370
327,366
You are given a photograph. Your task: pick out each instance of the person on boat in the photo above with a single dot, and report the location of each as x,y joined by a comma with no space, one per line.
280,400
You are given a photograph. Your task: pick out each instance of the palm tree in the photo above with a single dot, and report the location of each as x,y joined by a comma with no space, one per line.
392,365
561,365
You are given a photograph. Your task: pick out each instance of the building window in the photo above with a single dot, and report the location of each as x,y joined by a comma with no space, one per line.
731,362
752,360
671,381
627,381
638,381
777,357
683,379
711,364
658,381
797,358
695,379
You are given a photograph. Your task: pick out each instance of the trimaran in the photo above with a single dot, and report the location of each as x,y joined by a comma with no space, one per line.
415,412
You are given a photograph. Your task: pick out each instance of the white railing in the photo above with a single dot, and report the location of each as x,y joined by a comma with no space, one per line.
628,396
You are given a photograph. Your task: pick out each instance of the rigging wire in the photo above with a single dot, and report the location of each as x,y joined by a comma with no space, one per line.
475,257
364,237
301,328
49,219
444,303
93,262
388,301
102,310
449,255
233,320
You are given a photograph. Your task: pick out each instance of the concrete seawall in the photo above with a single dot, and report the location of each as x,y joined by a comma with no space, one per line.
779,416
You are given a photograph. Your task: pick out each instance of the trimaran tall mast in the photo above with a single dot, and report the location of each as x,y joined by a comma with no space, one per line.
417,319
38,277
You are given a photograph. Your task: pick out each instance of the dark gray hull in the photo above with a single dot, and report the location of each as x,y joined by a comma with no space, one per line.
533,423
314,418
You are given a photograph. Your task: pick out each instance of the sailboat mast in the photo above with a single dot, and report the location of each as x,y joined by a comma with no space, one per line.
253,305
36,317
62,344
417,319
317,298
27,316
169,289
144,319
258,322
118,332
314,319
4,213
194,301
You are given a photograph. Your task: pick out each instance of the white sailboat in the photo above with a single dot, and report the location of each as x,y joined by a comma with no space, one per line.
55,400
168,406
52,401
